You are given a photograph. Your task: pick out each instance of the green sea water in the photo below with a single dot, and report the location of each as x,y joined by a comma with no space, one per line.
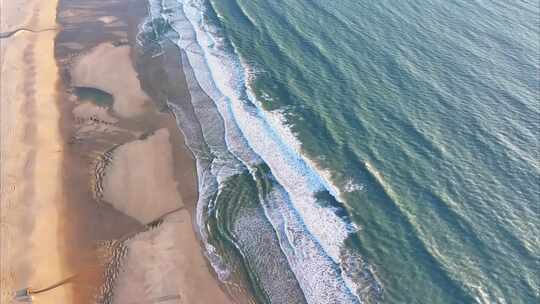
432,108
424,115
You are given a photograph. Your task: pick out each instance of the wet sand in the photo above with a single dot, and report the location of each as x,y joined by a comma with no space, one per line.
139,167
90,160
108,67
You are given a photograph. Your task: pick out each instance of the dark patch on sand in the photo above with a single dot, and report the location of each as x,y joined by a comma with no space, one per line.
96,96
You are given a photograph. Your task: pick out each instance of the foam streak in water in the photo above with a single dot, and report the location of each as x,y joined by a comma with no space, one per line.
311,236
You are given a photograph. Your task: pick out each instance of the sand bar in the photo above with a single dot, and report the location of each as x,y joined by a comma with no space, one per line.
140,179
165,262
95,70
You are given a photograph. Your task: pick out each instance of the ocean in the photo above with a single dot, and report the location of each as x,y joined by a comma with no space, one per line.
360,151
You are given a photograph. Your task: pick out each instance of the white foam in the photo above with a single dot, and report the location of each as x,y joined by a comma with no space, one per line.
255,235
352,186
316,273
217,74
313,256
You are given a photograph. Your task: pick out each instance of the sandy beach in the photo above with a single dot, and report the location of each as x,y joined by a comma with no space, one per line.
95,178
31,154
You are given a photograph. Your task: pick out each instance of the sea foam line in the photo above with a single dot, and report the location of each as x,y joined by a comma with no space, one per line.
222,78
290,169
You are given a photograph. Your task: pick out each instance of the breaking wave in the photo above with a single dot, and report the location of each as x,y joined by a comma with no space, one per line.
235,134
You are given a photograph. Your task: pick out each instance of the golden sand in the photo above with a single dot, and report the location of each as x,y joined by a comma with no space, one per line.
31,156
49,217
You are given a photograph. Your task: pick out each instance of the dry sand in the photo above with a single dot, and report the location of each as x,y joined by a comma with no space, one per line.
31,154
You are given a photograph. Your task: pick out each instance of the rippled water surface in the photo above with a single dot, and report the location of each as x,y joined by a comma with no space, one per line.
385,150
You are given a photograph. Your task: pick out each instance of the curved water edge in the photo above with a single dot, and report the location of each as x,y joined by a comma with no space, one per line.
234,136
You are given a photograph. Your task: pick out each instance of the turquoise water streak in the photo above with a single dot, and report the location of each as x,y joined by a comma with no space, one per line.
427,116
